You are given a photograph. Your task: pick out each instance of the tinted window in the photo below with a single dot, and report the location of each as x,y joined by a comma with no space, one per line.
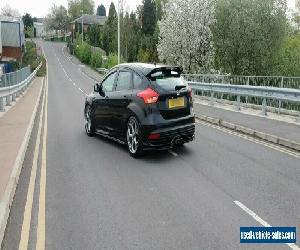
124,80
137,80
169,83
167,79
108,83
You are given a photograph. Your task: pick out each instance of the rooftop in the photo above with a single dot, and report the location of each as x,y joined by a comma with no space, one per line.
91,19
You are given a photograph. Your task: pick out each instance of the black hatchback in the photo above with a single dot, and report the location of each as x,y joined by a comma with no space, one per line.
145,106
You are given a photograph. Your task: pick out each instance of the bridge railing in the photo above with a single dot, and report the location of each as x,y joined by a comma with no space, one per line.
271,81
263,93
14,78
13,84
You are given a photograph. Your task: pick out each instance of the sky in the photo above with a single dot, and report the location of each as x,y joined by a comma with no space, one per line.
40,8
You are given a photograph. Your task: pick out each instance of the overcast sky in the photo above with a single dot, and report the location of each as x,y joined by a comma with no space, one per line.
39,8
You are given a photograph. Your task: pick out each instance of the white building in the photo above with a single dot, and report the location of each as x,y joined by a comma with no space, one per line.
39,29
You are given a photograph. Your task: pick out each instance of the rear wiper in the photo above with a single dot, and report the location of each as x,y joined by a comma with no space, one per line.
179,87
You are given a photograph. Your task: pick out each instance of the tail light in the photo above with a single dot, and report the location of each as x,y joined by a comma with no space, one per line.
149,96
190,92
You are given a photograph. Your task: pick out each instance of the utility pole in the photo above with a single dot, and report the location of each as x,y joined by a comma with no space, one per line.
119,10
82,26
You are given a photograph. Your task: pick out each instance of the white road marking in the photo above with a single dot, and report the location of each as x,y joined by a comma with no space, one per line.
249,138
261,221
172,153
25,231
80,90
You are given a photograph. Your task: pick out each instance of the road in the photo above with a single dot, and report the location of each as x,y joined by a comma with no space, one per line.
98,197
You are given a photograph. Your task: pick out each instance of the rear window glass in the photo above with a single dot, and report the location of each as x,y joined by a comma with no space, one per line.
169,82
167,79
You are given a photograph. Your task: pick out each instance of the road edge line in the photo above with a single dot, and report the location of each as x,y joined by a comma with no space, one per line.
8,196
261,221
252,132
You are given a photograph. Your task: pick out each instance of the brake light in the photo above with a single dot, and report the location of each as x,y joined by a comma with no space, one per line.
190,92
149,96
154,136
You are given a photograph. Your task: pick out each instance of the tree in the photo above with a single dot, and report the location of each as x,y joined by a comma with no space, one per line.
185,34
101,11
248,35
76,6
110,31
288,60
6,10
148,17
27,20
28,25
57,19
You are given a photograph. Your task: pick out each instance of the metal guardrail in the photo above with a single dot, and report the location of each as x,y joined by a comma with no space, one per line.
14,88
263,92
271,81
13,78
102,70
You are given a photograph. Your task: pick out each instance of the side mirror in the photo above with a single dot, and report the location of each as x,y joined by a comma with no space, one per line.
97,87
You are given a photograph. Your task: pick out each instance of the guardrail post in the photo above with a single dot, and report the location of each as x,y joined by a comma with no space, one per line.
238,103
13,97
8,100
212,98
264,106
1,104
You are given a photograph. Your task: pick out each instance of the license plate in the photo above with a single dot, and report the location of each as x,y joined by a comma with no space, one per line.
176,102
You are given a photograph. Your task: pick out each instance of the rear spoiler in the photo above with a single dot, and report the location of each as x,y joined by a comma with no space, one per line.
166,69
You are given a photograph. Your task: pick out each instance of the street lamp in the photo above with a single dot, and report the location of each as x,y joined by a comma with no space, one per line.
119,7
81,26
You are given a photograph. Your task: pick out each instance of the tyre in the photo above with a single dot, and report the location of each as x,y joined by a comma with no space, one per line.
89,122
134,140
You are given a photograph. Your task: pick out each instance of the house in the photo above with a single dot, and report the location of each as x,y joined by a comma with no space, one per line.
87,21
12,41
39,29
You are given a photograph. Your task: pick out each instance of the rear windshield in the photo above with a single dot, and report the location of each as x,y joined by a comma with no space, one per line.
168,80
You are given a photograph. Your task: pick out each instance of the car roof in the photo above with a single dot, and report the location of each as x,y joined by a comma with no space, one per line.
142,68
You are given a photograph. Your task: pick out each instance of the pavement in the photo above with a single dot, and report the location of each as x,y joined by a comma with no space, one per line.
289,130
98,197
15,129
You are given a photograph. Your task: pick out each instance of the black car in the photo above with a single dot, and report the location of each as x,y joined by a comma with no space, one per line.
145,106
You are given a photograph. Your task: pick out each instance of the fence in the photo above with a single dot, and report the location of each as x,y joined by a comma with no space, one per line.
264,93
271,81
14,84
14,78
262,81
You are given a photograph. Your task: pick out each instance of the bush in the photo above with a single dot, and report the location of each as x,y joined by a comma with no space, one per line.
96,60
112,60
83,52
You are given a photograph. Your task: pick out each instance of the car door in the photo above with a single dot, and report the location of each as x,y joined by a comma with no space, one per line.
120,100
103,111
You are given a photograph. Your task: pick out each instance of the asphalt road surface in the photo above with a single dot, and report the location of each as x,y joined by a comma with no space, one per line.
98,197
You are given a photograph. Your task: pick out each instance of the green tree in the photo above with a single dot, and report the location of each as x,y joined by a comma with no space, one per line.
110,31
27,20
101,11
288,60
94,35
248,34
148,17
57,19
76,6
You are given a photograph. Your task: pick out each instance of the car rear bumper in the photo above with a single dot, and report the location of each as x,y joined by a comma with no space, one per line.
170,137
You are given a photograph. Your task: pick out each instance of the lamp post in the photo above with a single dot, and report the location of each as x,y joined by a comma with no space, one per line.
81,26
119,8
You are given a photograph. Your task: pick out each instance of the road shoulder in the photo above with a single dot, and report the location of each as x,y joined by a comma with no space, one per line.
15,129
